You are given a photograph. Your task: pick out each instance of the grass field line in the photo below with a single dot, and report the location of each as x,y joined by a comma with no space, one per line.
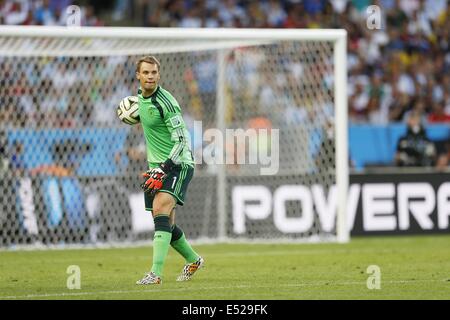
155,290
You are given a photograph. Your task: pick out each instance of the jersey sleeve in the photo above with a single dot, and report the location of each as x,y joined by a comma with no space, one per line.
177,128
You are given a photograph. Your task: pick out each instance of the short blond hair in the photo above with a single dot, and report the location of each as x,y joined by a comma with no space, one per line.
148,59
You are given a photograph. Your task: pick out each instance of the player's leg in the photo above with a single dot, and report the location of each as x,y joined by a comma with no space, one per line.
193,260
161,206
175,188
180,243
177,185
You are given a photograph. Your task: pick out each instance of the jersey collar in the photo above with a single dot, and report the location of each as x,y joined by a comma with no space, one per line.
153,94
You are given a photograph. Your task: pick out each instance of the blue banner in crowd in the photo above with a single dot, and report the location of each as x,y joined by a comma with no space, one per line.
88,152
92,151
371,144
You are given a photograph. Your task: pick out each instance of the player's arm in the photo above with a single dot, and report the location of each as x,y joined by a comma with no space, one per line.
177,128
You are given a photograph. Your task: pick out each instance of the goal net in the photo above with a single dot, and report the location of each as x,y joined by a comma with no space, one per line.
266,110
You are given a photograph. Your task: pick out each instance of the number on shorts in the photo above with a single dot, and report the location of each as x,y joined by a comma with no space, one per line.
173,183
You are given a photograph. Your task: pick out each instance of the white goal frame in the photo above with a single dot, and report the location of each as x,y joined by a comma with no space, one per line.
232,38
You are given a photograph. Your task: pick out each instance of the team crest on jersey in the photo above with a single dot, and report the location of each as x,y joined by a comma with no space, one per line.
175,121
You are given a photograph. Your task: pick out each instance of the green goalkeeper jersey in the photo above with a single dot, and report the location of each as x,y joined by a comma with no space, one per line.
165,132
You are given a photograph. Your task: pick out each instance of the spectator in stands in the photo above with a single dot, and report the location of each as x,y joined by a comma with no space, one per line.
443,159
313,7
276,15
211,19
17,161
230,11
438,114
358,103
43,14
89,18
447,100
257,16
15,12
414,149
419,107
191,19
401,103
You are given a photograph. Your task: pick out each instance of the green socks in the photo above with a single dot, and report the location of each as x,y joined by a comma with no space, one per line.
166,236
182,246
161,243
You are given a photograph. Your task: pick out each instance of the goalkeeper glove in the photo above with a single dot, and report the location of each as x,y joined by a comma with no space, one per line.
154,178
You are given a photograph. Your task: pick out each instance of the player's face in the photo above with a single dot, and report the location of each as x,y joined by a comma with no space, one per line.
148,76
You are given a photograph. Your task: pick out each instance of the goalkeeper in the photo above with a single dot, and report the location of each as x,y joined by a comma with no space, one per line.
171,169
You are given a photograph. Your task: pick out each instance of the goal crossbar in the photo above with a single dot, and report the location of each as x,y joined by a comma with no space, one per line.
174,34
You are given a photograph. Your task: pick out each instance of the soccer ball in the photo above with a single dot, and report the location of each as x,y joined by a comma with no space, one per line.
128,110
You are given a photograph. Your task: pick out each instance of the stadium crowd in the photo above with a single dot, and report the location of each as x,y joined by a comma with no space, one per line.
402,66
45,12
398,69
391,71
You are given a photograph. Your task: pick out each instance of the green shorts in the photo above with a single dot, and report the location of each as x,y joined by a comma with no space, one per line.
176,183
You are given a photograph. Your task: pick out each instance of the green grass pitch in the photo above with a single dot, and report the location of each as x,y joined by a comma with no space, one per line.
411,268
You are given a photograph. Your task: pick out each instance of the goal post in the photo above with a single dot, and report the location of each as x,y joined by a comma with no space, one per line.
71,177
341,128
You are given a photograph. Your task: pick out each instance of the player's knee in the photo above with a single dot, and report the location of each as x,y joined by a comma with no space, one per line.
159,208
